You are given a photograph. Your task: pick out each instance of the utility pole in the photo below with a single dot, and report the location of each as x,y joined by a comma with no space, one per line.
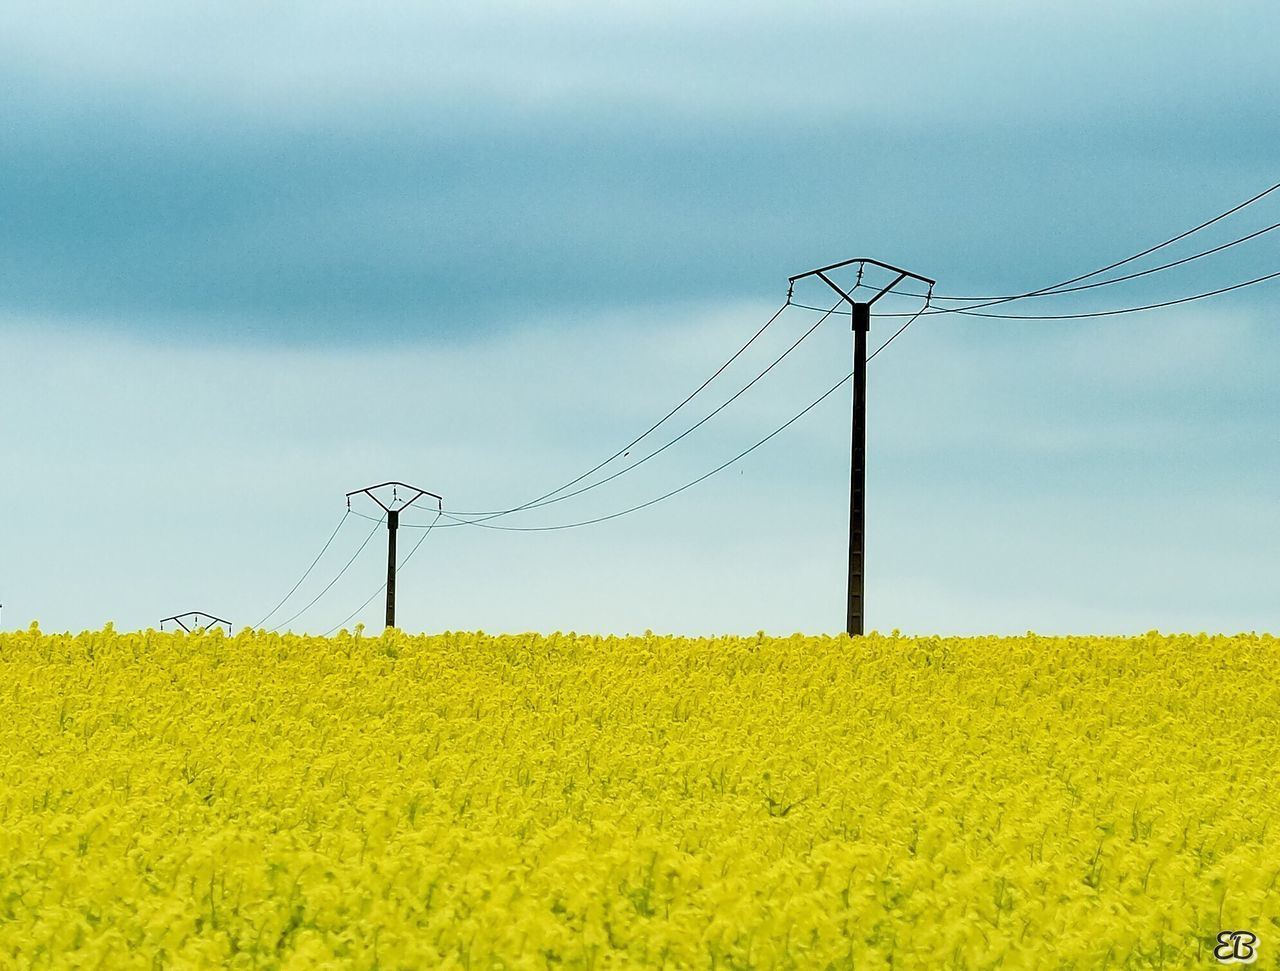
860,314
393,523
193,617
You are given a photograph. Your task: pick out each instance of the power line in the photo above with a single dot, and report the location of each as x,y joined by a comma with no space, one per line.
674,492
974,312
344,620
1140,273
1065,285
384,585
926,310
919,313
344,569
454,515
1058,287
493,514
305,573
1113,313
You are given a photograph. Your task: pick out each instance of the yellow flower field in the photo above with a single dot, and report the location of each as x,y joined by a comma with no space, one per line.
469,801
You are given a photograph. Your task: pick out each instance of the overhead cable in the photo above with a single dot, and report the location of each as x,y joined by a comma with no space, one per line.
975,312
493,514
400,567
1058,287
919,313
311,603
635,441
1122,310
674,492
1140,273
305,573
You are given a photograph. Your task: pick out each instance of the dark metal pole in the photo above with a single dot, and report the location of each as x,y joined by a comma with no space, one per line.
861,314
393,521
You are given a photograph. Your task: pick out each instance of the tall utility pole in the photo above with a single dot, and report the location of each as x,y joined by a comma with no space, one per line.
860,314
193,616
393,523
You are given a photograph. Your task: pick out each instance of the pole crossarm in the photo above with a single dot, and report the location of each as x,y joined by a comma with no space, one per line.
368,491
862,259
194,616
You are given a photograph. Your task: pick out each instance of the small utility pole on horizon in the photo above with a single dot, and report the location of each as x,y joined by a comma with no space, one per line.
393,523
194,617
860,312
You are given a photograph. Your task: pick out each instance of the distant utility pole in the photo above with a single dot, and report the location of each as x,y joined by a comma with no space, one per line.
193,617
393,523
860,312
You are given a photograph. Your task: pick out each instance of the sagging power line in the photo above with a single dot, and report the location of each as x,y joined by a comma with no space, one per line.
1061,287
547,496
494,513
930,310
1065,286
674,492
305,573
1079,314
403,563
328,586
484,516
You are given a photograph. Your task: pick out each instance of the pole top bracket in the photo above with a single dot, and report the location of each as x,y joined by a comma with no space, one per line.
395,485
821,273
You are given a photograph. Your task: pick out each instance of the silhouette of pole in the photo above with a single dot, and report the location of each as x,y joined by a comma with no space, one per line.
855,615
393,524
860,319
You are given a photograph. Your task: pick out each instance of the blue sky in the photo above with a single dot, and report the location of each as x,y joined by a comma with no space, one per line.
250,260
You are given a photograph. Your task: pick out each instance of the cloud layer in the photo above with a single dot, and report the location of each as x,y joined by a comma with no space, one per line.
334,174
